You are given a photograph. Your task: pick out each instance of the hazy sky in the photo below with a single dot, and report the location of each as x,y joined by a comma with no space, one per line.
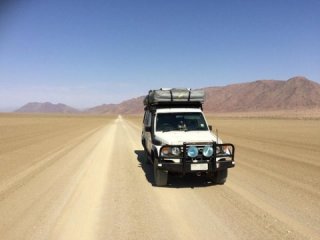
85,53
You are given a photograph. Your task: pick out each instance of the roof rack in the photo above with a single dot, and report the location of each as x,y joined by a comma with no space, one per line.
172,97
153,107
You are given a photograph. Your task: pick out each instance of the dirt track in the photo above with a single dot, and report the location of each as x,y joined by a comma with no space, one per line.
85,178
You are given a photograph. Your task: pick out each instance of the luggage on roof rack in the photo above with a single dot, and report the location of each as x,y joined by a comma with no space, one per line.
174,95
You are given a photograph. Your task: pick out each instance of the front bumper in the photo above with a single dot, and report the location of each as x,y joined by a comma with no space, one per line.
184,164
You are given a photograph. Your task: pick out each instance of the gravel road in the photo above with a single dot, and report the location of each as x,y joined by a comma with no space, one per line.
96,185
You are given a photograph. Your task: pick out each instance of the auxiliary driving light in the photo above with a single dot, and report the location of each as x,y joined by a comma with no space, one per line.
192,151
207,151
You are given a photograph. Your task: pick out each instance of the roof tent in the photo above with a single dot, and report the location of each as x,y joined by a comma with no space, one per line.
174,96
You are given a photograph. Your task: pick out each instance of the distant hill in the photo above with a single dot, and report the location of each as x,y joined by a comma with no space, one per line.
131,106
297,93
47,107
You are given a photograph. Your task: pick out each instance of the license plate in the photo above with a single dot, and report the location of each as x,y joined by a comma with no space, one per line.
199,166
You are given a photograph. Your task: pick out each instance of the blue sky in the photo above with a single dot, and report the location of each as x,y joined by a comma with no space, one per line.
86,53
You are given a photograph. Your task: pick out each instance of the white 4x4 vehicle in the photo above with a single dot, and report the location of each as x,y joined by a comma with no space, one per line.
177,138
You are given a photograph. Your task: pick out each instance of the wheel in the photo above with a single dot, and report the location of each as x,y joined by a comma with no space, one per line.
147,157
160,176
220,177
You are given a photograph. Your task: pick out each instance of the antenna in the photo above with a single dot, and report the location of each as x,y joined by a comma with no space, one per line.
217,136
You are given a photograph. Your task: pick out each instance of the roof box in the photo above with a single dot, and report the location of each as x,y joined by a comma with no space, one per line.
174,95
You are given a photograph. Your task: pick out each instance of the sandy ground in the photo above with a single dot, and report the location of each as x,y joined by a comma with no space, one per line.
85,178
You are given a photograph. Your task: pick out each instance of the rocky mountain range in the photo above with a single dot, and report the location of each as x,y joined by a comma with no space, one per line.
297,93
47,107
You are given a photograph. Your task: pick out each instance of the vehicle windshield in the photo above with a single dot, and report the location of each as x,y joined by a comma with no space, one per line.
191,121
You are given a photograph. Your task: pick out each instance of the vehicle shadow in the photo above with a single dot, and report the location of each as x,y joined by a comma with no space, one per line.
146,167
188,181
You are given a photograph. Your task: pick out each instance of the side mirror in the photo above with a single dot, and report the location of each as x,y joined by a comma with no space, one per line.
210,127
147,129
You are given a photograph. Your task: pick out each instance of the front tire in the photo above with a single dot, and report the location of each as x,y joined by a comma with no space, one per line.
147,157
220,177
160,176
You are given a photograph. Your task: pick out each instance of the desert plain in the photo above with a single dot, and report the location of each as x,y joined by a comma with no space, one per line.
85,177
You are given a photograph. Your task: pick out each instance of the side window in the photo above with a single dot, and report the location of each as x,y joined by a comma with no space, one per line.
147,119
148,123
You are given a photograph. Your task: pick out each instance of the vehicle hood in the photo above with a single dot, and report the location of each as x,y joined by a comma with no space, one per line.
180,137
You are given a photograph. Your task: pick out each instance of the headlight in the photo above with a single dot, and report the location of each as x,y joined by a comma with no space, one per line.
192,151
223,150
207,151
226,150
219,150
165,151
170,151
175,151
